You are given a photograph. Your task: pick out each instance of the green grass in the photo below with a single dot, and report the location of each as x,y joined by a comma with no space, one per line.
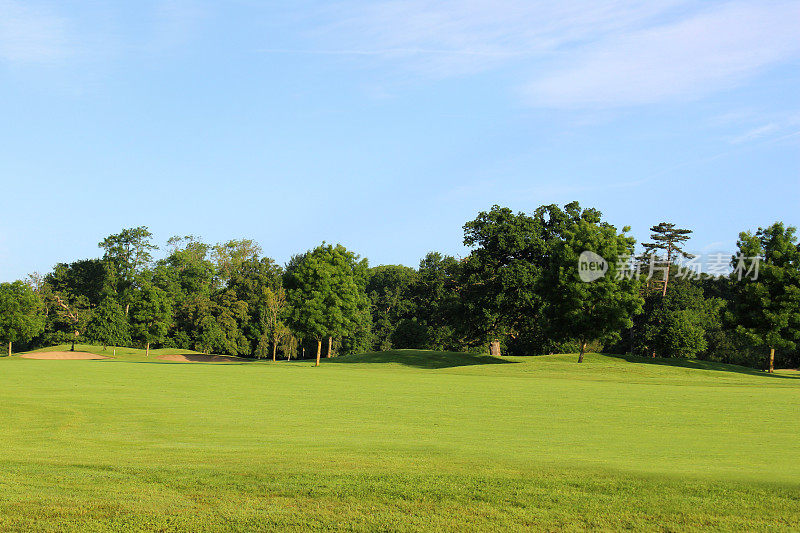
403,440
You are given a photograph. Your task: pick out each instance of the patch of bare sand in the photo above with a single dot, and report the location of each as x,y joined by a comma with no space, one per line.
62,355
201,358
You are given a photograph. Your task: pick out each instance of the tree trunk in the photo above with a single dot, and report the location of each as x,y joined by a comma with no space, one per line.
666,280
494,348
127,307
274,349
771,360
319,350
633,339
147,350
583,350
330,346
9,348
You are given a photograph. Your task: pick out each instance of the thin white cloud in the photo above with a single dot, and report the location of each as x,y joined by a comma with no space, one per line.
710,51
755,133
34,31
581,53
758,126
455,37
387,52
29,33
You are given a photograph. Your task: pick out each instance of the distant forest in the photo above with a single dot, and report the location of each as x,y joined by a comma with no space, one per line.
558,280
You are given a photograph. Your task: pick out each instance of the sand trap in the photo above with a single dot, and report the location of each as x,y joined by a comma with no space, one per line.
62,355
201,358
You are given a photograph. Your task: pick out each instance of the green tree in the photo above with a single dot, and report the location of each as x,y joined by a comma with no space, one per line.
501,274
289,344
326,293
151,312
248,283
676,325
189,259
228,257
108,324
127,254
767,308
668,239
191,286
70,292
21,316
211,312
208,335
232,315
87,278
388,288
439,312
70,315
586,311
274,315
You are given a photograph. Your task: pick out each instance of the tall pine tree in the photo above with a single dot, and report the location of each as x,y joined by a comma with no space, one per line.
669,240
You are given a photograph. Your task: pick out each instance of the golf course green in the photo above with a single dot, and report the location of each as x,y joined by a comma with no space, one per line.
403,441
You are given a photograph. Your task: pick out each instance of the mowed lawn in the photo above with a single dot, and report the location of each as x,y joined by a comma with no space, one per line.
404,440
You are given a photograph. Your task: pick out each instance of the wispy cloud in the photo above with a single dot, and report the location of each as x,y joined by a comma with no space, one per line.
31,33
709,51
456,37
388,52
748,126
35,31
574,54
755,133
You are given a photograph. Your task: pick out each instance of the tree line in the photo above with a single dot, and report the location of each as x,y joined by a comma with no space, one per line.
519,291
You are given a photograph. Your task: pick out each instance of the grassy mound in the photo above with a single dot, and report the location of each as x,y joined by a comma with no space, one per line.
421,358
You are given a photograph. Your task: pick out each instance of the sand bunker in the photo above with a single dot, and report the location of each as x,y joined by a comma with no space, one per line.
62,355
201,358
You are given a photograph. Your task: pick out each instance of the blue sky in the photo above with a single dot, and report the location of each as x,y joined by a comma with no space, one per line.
385,125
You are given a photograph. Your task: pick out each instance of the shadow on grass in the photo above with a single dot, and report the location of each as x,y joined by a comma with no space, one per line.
195,358
420,358
203,358
701,365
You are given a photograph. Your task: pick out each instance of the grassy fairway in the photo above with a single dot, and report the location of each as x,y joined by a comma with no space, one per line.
397,441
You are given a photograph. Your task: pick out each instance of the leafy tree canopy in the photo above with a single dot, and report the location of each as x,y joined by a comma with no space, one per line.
767,309
326,292
576,309
21,317
109,325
